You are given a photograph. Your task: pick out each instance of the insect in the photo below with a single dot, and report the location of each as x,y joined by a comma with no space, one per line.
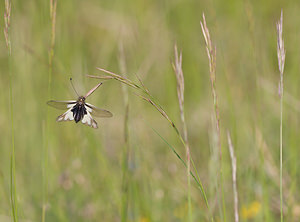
79,110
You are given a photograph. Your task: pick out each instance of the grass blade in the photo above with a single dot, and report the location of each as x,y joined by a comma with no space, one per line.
198,181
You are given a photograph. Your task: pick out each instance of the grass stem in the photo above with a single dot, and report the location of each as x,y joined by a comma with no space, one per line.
281,61
126,149
177,66
234,186
53,4
13,186
211,53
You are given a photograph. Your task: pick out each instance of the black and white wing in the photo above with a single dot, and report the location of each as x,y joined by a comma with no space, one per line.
97,112
88,120
67,116
61,104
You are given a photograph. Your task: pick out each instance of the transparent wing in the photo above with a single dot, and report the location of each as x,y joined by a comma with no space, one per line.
97,112
61,104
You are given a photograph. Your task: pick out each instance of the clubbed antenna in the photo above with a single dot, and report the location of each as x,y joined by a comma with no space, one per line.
73,87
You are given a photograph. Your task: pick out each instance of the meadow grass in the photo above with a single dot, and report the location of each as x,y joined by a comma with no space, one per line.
138,166
53,5
234,183
13,186
126,151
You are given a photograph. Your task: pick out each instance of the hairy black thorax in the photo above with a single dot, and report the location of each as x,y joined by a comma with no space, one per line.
79,109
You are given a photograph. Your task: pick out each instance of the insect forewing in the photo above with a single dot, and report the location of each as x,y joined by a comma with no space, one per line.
97,112
67,116
61,104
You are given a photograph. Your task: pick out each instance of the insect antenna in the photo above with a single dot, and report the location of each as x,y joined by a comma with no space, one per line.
73,87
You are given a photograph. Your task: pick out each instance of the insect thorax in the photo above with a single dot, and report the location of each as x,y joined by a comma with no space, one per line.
79,109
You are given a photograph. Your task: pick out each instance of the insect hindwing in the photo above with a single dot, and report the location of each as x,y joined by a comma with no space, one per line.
88,120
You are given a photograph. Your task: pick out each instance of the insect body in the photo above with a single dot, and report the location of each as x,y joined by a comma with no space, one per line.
79,110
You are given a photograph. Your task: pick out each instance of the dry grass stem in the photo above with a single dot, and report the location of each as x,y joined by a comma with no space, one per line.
211,53
100,77
53,4
280,46
177,66
119,78
281,60
157,107
7,24
234,183
143,85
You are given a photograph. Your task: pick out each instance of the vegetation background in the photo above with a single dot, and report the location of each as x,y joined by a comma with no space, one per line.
87,175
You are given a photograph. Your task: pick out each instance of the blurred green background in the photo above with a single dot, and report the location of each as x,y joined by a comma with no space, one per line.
85,170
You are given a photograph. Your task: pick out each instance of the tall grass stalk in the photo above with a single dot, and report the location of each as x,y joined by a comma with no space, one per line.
53,4
149,98
211,53
281,60
13,186
126,150
234,186
177,66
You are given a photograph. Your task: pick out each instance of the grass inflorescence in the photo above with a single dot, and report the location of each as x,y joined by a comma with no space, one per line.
212,59
177,66
281,60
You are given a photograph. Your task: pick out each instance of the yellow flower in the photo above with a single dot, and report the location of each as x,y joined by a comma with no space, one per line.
251,211
181,211
144,219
